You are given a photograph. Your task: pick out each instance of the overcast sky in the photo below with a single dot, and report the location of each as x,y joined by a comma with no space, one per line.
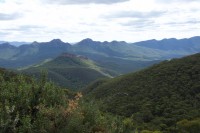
102,20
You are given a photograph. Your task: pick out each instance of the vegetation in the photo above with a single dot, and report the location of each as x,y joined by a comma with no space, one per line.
71,71
164,97
41,107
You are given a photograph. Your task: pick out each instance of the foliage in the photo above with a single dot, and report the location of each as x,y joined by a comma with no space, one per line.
155,98
71,71
27,105
189,126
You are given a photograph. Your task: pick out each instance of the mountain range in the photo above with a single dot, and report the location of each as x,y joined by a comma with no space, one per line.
131,89
186,45
15,43
121,57
103,59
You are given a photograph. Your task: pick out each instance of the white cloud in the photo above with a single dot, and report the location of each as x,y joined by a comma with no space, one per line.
177,1
13,16
136,14
83,1
134,20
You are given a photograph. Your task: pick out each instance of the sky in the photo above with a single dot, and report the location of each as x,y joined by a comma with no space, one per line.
100,20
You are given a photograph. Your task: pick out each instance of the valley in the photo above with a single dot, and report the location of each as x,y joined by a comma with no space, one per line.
99,66
110,58
139,87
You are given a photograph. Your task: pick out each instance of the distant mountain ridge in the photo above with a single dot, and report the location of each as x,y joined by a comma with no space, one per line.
15,43
192,44
119,56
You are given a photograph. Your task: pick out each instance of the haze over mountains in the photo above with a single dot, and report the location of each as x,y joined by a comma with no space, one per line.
15,43
163,98
104,59
187,45
99,66
104,53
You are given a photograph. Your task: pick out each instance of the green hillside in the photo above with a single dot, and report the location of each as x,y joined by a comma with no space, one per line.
164,97
69,70
37,106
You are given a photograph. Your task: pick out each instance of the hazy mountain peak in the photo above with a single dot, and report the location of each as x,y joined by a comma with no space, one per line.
118,42
56,41
195,37
86,41
169,39
35,42
114,41
15,43
6,45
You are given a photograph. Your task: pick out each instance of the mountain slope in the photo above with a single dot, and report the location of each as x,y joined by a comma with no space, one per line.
29,105
33,53
70,70
15,43
155,98
190,45
119,56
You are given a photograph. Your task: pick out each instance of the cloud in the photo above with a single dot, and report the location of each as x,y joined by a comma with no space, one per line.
5,17
136,14
72,20
2,1
189,22
30,27
179,1
24,29
141,23
83,1
4,33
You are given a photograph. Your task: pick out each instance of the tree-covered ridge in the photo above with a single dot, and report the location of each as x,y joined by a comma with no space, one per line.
30,106
164,97
70,70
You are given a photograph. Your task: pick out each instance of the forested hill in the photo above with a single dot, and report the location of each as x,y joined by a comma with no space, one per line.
30,106
157,98
70,70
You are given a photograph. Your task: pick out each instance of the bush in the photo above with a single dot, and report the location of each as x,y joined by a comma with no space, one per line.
27,105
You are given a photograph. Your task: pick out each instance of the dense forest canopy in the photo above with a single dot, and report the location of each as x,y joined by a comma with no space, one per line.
156,98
